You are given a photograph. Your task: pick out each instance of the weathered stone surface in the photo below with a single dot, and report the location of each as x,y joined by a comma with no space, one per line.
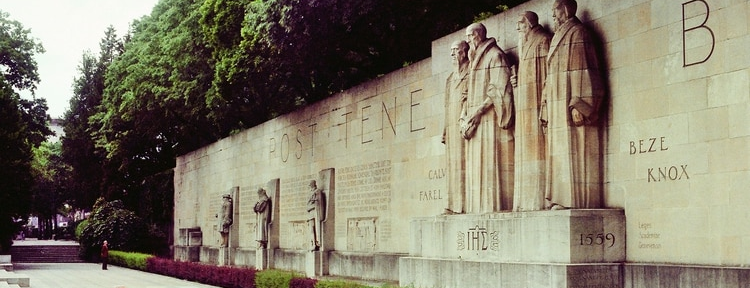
562,236
674,140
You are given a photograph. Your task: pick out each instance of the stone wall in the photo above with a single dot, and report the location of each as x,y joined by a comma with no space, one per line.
676,137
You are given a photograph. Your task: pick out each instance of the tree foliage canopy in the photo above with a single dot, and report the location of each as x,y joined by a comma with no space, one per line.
194,71
23,123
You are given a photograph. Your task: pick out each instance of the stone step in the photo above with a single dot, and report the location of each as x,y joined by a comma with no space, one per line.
4,284
22,280
45,254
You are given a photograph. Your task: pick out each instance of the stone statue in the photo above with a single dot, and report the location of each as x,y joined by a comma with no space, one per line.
316,209
263,218
455,99
225,221
571,100
487,122
529,138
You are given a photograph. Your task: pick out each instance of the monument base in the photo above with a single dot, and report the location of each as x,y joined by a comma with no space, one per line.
562,248
444,273
316,264
652,275
561,236
224,256
262,257
187,253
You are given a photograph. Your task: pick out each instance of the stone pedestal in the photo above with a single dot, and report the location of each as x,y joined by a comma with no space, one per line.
564,248
316,264
262,257
223,256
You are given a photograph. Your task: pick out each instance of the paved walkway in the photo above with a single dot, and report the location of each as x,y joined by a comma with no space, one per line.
91,275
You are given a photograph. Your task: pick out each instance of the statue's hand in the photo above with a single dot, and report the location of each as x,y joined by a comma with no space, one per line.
514,81
578,118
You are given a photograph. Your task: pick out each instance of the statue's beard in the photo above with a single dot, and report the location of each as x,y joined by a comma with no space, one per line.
557,22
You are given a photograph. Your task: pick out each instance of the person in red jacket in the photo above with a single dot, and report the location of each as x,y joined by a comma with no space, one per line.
105,255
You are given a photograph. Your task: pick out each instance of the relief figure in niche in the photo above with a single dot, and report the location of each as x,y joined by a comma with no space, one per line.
316,210
225,219
263,218
487,124
572,95
455,98
533,46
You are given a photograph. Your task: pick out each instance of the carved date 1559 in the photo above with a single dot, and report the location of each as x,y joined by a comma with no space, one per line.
598,239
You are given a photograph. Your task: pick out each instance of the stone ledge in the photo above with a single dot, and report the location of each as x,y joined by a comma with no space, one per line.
649,275
562,236
21,280
443,273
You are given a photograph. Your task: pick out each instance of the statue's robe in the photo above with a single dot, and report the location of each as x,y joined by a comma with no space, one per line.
529,138
574,169
455,99
489,153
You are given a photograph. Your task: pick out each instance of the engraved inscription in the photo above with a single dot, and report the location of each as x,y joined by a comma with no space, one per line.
694,27
478,239
658,174
671,173
594,277
649,145
600,239
365,187
293,202
648,238
430,195
299,235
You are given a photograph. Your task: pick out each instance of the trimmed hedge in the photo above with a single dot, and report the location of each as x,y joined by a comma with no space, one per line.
228,277
275,279
132,260
302,283
224,276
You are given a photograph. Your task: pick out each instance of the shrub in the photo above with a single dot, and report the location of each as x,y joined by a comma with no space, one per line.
132,260
338,284
229,277
119,226
274,279
302,283
79,228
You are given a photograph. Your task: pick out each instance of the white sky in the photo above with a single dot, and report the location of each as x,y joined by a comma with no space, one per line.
67,28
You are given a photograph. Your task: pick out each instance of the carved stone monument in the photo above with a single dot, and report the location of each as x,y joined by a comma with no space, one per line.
648,124
225,219
266,232
530,148
570,109
487,123
225,227
262,209
456,91
321,223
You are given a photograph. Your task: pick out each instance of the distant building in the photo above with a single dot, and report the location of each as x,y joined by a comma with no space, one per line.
56,125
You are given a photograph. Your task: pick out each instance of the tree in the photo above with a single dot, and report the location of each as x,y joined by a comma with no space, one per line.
89,173
49,190
21,124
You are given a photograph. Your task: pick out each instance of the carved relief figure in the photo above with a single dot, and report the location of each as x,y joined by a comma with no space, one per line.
316,209
487,124
455,98
529,138
263,218
225,221
572,95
